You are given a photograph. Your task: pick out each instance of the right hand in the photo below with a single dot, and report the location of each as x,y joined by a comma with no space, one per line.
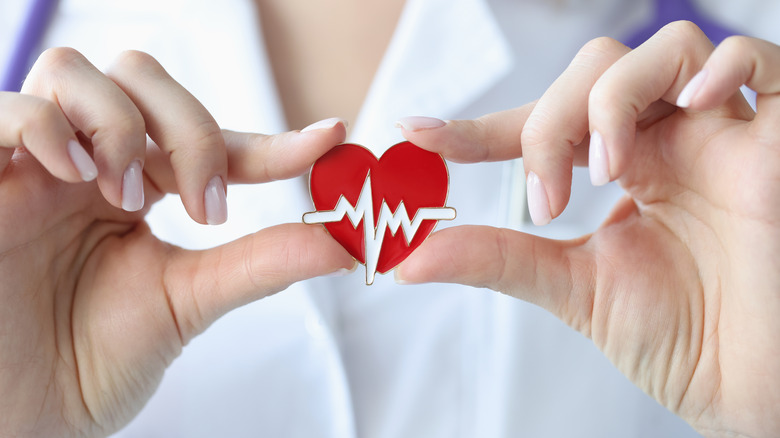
93,307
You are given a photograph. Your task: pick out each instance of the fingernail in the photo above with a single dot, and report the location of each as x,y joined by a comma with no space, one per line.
325,124
598,163
400,280
133,187
215,201
82,161
419,123
538,203
344,271
691,89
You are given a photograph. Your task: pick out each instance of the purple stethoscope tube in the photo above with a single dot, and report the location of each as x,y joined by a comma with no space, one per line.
27,43
667,11
41,11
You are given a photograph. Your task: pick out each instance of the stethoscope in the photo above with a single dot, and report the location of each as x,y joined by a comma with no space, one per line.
667,11
40,13
28,42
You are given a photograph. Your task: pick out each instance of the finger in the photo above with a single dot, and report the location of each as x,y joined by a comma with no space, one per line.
460,141
258,158
558,124
656,70
493,137
103,113
204,285
39,126
183,129
735,62
537,270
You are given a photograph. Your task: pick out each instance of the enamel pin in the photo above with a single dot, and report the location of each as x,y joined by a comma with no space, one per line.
406,188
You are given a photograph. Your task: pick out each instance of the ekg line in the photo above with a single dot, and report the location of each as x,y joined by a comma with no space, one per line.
374,236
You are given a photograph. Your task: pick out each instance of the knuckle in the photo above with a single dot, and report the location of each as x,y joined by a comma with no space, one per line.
599,47
207,134
51,67
501,277
601,97
127,128
736,45
135,61
129,124
683,30
61,57
610,106
545,134
198,143
484,133
534,131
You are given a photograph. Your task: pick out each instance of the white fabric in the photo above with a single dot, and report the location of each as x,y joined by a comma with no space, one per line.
332,357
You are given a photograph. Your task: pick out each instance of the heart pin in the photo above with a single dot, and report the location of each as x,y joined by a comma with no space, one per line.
406,188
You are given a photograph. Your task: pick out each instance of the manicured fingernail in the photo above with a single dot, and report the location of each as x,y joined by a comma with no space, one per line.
215,201
83,162
419,123
538,203
598,162
691,89
344,271
133,187
399,279
325,124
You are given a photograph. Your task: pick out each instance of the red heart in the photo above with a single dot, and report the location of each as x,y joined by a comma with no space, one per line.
405,173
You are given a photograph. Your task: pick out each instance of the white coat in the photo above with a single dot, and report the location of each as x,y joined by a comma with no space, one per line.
333,357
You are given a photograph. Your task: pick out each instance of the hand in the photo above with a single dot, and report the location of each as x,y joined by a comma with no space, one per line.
680,287
93,308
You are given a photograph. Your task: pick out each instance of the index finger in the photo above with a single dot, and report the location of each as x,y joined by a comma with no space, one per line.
259,158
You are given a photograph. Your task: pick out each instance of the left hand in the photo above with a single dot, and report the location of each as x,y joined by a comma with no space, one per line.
680,286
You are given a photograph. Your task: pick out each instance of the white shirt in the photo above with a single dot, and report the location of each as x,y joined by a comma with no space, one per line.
333,357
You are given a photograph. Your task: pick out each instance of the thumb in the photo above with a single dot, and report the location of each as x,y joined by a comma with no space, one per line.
549,273
204,285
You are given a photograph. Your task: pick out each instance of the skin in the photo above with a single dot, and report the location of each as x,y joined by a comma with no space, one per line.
324,67
80,357
680,286
95,307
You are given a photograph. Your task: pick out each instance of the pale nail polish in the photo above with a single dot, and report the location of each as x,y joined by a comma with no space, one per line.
215,201
419,123
344,271
538,203
399,280
325,124
133,187
598,162
691,89
83,162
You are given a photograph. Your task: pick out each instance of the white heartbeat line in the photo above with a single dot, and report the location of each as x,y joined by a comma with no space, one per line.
374,236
